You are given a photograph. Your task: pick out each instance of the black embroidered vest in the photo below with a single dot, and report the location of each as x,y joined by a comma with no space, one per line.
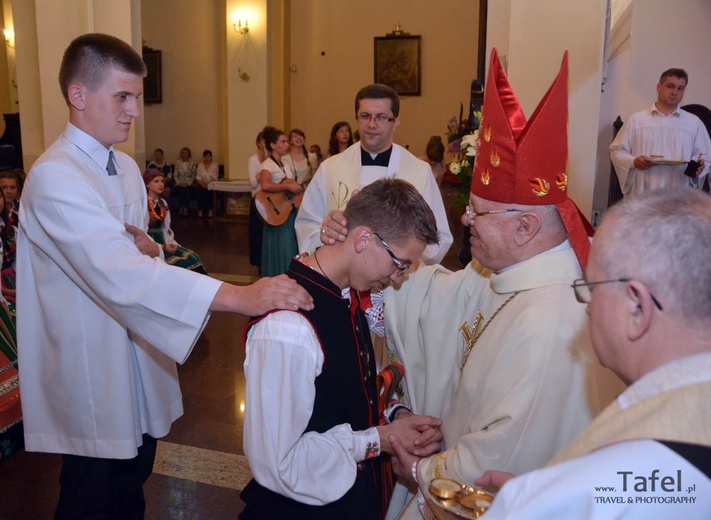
345,393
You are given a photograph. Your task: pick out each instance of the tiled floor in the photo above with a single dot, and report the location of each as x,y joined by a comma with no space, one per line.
200,466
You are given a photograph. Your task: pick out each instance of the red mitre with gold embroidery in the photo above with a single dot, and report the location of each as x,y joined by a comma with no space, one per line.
519,162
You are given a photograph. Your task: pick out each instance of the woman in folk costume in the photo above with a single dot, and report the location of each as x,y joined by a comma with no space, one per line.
11,432
8,234
159,226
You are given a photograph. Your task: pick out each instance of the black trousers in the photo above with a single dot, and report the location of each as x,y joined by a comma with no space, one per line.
105,489
183,193
204,198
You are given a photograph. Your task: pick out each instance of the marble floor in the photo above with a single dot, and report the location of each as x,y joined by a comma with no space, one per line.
200,467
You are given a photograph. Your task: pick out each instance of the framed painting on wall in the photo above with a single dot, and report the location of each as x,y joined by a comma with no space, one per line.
397,63
152,87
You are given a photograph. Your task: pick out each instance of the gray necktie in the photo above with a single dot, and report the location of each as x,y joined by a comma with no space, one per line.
110,167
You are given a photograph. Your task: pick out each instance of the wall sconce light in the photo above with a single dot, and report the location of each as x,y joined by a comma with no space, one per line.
241,26
9,37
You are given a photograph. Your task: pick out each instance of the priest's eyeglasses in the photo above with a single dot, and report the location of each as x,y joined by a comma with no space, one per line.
473,214
401,267
365,117
584,295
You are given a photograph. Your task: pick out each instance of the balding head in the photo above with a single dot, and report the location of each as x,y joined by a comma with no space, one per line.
664,239
650,277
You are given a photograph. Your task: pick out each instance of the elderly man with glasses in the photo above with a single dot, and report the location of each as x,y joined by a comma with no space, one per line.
500,349
377,109
648,455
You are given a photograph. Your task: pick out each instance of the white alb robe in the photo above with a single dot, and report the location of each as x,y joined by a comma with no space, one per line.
100,324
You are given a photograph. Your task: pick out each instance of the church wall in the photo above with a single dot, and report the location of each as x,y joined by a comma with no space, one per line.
323,87
533,36
7,74
190,36
530,37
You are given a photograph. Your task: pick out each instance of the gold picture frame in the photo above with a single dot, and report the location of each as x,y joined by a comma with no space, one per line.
397,63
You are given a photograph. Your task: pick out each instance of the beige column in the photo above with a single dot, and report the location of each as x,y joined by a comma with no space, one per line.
246,81
8,92
256,78
43,29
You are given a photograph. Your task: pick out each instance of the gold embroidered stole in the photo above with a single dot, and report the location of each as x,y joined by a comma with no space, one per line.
682,414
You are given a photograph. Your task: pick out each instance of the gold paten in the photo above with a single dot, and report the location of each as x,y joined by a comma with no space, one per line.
445,488
478,501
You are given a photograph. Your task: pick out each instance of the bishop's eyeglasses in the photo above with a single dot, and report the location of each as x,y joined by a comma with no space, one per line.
473,214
